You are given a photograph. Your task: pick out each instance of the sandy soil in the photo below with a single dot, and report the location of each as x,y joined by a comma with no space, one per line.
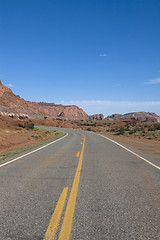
143,145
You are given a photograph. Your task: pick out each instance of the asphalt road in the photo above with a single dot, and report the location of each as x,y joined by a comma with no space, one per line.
81,187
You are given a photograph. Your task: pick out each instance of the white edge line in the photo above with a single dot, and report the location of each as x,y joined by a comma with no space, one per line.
33,151
129,151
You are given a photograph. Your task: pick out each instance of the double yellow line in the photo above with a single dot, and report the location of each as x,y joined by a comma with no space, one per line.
66,228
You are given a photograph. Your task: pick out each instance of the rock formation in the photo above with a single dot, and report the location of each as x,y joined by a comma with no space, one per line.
96,117
137,116
11,103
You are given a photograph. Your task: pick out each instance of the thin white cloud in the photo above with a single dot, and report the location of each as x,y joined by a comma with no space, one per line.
103,55
111,107
154,81
9,85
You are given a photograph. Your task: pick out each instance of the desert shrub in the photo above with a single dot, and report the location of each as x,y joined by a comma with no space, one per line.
29,125
112,129
21,125
121,131
157,126
89,129
47,132
142,129
37,136
127,127
136,129
60,119
131,132
151,128
154,127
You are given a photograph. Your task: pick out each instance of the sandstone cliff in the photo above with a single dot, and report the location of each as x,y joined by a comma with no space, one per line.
96,117
11,103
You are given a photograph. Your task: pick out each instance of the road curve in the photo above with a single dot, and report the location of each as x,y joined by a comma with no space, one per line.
81,187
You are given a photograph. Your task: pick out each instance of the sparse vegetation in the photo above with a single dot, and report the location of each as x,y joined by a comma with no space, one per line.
121,131
129,128
59,119
36,136
33,141
29,125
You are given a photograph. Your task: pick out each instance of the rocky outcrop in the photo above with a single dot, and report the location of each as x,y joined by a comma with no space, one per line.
11,103
136,116
96,117
14,115
114,116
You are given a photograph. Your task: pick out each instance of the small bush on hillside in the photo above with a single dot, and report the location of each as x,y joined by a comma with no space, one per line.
157,126
131,132
37,136
89,129
59,119
121,131
47,132
151,129
127,128
112,130
29,125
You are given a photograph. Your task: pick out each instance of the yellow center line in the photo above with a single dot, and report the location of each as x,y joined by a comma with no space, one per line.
53,225
68,217
77,155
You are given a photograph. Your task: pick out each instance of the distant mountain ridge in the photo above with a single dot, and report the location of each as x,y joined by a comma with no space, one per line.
11,103
137,116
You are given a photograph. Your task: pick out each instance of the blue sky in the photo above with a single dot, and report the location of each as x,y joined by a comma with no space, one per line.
102,55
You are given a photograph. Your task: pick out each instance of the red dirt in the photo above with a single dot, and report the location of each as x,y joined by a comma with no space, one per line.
13,135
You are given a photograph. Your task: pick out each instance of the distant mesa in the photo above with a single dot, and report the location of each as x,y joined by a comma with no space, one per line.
136,116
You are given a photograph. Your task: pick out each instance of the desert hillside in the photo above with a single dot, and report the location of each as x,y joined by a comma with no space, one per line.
137,116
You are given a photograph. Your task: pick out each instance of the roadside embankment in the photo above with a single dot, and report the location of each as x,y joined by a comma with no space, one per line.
16,137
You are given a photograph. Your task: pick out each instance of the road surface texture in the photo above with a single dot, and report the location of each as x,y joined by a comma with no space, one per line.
81,187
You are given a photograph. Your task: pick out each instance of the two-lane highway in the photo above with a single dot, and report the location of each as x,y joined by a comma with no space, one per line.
81,187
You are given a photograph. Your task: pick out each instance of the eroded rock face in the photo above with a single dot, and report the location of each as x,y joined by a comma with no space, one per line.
137,116
11,103
96,117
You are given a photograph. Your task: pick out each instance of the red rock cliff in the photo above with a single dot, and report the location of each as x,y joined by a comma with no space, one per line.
9,102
